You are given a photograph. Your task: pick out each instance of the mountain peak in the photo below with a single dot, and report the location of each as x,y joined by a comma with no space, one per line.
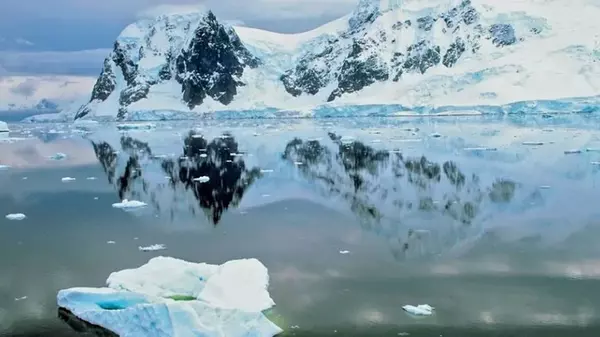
408,52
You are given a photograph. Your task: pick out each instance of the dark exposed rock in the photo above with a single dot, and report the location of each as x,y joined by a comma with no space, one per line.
456,49
425,23
422,56
502,34
212,63
105,84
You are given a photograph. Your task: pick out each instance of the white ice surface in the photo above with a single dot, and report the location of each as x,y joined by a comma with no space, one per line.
3,127
16,216
129,204
419,310
230,300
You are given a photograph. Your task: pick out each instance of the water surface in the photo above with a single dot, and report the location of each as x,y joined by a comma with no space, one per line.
491,220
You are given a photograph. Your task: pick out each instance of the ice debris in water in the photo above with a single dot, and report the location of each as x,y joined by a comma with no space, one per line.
20,298
435,135
533,143
16,216
179,298
110,242
203,179
136,126
266,171
573,151
4,167
419,310
67,179
152,248
58,156
344,252
91,178
129,204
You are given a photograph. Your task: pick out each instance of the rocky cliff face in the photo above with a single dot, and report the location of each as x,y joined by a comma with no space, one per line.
205,58
476,52
381,45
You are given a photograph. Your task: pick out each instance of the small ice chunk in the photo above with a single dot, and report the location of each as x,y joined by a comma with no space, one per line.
266,171
545,187
435,135
16,216
572,151
298,163
4,167
152,248
4,127
129,204
20,298
533,143
203,155
110,242
595,163
67,179
91,178
480,149
203,179
58,156
344,252
419,310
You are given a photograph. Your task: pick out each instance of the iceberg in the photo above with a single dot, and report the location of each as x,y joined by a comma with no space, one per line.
419,310
3,127
172,297
129,204
16,216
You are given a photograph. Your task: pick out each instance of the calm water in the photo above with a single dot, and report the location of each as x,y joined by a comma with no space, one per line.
487,219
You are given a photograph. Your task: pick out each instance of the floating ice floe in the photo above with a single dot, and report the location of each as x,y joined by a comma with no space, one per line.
58,156
573,151
179,298
20,298
152,248
129,204
91,178
3,127
344,252
67,179
266,171
419,310
203,179
110,242
16,216
4,167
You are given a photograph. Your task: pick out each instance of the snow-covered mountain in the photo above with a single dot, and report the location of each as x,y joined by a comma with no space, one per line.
411,52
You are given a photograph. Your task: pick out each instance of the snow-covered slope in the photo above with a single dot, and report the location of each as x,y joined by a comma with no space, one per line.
411,52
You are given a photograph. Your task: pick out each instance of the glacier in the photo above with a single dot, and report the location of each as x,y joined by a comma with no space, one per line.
172,297
385,58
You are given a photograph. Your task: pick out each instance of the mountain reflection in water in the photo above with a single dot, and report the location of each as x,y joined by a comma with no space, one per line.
218,160
421,207
357,173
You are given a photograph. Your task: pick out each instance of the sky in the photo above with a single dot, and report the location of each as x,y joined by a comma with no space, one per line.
72,37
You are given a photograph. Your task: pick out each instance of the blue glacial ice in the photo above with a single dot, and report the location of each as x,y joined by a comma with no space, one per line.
172,297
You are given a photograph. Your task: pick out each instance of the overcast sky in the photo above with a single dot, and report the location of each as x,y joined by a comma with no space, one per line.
66,27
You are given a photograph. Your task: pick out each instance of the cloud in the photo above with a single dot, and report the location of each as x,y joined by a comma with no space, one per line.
171,9
26,88
23,41
84,62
